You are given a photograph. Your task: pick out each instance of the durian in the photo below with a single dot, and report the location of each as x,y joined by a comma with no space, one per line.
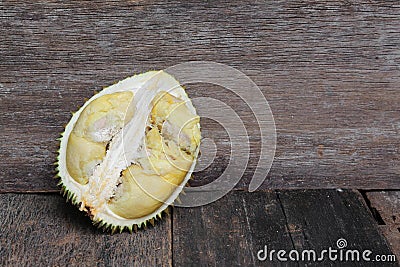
127,153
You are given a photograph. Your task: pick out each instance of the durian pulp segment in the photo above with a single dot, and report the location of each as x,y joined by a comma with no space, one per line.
148,183
95,127
127,153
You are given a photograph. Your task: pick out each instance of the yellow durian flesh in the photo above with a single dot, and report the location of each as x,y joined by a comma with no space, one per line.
178,122
148,184
97,123
82,157
138,193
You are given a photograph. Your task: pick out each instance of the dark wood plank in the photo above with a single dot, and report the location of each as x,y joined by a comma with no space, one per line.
229,232
316,219
42,230
329,70
387,205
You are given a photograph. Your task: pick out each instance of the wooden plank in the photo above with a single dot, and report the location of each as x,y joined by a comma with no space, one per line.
42,230
232,231
229,232
329,71
387,205
316,219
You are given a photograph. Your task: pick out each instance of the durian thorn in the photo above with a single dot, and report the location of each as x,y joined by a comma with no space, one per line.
167,211
114,229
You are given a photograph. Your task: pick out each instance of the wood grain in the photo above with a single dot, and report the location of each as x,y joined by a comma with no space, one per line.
330,71
43,230
317,219
228,232
386,205
232,231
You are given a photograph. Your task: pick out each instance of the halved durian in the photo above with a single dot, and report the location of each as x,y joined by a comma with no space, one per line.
128,151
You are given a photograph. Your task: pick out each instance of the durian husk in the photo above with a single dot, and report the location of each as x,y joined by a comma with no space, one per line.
107,220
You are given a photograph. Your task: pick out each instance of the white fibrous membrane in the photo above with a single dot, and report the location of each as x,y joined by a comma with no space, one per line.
128,151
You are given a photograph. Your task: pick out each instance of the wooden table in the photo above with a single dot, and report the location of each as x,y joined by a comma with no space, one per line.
329,70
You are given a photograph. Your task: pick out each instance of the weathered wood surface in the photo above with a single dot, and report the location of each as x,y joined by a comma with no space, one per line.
330,71
43,230
232,231
387,205
229,232
318,218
